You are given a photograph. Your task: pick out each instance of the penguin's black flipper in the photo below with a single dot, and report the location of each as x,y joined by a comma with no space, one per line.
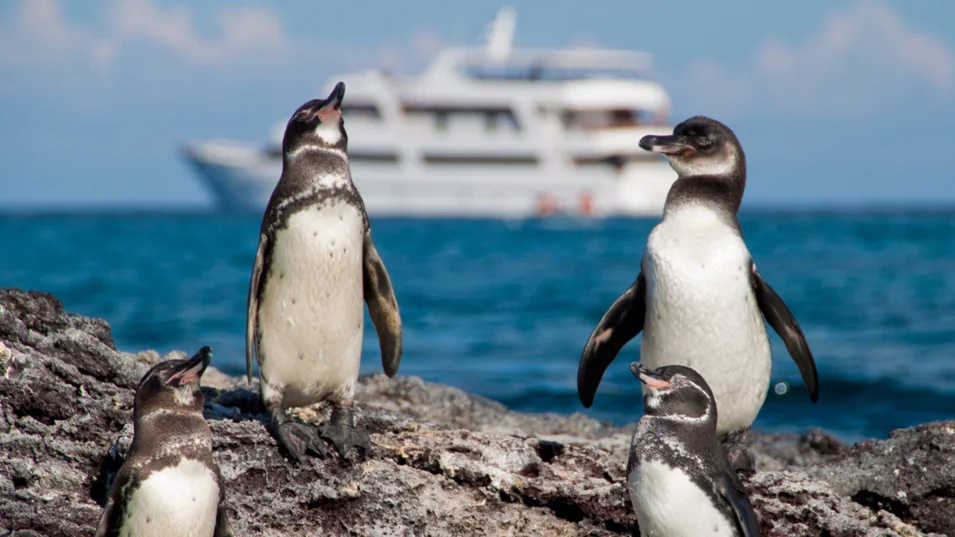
382,306
252,313
223,529
781,319
115,511
731,491
621,323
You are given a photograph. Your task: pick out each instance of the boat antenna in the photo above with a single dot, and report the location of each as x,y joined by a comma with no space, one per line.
500,33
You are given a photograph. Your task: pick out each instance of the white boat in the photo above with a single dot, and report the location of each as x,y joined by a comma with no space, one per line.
492,131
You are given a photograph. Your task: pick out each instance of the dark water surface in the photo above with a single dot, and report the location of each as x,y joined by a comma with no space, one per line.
503,309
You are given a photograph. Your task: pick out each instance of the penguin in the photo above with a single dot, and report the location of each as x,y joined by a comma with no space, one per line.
680,482
315,265
168,484
698,298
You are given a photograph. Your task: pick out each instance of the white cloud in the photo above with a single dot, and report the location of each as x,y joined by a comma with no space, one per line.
40,36
41,40
242,31
858,60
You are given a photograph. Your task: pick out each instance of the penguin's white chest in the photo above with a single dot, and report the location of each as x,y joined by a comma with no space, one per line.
181,500
311,315
702,312
669,504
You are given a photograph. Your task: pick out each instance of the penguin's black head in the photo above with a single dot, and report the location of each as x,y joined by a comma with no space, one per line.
700,146
676,392
317,123
173,385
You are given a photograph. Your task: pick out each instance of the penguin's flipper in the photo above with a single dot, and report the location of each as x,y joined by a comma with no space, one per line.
382,306
622,322
111,516
253,311
781,319
731,491
223,529
115,511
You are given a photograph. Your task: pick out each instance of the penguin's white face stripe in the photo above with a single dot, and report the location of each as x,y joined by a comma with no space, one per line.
167,412
329,132
185,395
721,163
306,147
654,400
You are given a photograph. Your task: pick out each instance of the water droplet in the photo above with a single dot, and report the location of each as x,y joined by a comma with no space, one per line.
781,388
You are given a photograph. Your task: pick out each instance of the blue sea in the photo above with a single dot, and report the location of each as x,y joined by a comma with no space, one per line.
503,308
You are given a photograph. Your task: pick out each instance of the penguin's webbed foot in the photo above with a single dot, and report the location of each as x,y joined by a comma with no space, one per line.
296,438
344,435
738,454
742,461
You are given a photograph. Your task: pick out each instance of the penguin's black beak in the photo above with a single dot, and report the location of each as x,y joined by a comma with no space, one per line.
192,369
336,97
668,145
648,377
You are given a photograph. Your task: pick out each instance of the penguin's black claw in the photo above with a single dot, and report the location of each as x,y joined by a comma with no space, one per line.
742,461
738,454
344,435
298,439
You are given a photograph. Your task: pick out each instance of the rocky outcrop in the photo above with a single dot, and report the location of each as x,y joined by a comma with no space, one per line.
444,463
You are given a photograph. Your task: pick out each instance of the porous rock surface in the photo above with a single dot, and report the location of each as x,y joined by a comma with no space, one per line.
445,463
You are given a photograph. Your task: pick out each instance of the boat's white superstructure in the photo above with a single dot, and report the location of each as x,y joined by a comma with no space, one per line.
484,132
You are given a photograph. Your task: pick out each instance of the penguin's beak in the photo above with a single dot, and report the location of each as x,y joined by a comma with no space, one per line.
330,110
648,377
336,97
668,145
192,369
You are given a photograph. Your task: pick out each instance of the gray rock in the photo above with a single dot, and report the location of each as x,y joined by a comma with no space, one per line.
444,463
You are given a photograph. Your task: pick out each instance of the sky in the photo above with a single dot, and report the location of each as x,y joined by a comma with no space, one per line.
836,102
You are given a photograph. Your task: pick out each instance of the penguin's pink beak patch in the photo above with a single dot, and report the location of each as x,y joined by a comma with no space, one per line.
193,374
191,370
653,383
328,114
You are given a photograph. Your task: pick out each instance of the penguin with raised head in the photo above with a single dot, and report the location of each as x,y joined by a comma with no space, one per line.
680,483
169,483
698,298
315,266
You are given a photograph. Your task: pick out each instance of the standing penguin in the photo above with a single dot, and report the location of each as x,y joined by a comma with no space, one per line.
315,265
680,482
168,484
698,298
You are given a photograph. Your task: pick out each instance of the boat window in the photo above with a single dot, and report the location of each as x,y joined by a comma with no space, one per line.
490,119
615,162
357,156
353,111
544,73
587,120
510,160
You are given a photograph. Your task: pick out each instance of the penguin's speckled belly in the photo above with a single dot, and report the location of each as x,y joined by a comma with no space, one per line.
179,500
311,314
669,504
702,313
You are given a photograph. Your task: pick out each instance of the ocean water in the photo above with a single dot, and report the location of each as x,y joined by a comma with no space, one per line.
503,308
